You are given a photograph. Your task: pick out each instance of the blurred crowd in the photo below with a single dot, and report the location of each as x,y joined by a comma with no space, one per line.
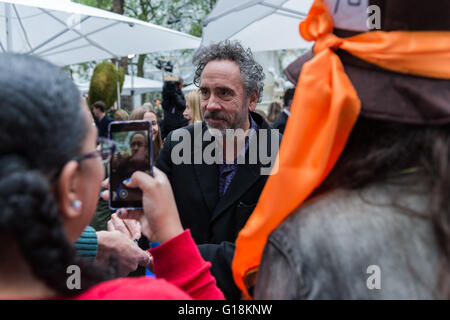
356,205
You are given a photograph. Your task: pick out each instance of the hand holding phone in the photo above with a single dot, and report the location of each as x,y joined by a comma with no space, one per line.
134,152
159,218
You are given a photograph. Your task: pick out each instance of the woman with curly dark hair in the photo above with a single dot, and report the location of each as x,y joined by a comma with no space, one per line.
50,177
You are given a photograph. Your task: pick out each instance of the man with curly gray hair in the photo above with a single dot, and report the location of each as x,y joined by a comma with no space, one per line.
241,81
216,199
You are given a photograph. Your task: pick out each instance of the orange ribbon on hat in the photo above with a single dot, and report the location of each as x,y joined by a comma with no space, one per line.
324,110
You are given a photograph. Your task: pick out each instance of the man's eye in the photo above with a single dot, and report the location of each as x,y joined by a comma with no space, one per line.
204,93
225,93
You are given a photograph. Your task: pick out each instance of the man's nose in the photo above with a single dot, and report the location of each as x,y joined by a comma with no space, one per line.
213,103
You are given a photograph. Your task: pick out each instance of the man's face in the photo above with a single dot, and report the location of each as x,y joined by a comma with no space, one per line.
223,100
97,113
138,144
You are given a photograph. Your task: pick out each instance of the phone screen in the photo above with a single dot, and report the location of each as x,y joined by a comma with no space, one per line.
133,152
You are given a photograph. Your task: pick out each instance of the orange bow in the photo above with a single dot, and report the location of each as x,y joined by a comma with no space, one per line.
324,110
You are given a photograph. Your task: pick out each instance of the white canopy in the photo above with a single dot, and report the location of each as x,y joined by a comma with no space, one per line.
140,86
189,88
67,33
258,24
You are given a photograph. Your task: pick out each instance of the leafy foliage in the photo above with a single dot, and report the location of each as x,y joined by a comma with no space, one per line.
104,83
181,15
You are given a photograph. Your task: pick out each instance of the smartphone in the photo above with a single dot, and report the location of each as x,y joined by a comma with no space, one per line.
133,152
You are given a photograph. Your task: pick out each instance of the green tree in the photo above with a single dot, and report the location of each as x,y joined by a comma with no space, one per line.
103,86
102,4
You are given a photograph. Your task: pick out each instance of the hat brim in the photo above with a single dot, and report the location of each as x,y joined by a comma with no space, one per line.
387,95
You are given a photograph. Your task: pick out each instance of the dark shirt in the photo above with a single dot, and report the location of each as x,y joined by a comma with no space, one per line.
173,98
102,126
228,171
173,104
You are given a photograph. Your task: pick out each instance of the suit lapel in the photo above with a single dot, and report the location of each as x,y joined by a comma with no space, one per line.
207,174
208,180
246,175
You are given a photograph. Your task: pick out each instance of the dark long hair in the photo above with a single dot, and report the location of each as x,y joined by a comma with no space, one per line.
138,114
377,150
41,128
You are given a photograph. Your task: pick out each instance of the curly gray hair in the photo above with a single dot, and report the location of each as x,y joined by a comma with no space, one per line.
252,74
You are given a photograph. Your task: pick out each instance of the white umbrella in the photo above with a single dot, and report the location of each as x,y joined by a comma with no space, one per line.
67,33
189,88
139,85
258,24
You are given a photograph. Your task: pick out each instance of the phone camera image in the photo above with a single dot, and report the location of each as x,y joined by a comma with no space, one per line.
133,153
123,194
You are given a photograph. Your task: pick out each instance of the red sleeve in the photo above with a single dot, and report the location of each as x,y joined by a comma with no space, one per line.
179,262
142,288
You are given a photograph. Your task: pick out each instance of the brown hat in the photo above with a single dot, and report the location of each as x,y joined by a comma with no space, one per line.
384,94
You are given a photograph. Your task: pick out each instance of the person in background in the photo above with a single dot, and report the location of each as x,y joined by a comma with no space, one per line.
50,177
193,110
148,105
273,112
159,111
102,120
102,212
120,115
146,113
173,104
281,120
156,132
138,113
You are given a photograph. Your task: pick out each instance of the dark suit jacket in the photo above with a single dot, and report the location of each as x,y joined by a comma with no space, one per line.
214,223
102,126
280,122
173,104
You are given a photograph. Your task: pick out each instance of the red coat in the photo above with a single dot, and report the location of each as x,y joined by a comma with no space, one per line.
181,274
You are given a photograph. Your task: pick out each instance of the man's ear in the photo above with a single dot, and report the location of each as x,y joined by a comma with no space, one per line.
69,191
253,101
